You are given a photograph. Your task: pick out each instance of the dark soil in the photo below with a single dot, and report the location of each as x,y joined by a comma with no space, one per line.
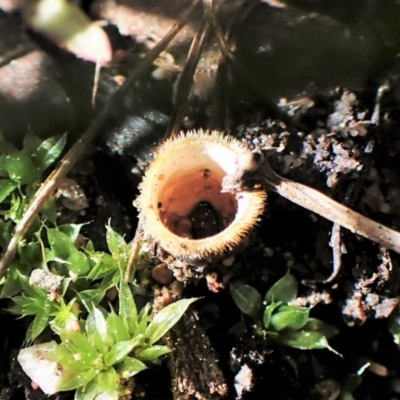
328,61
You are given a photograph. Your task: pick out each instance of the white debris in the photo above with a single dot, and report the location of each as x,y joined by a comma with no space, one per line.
35,362
243,380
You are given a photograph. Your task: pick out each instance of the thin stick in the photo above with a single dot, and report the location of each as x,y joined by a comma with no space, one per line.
186,78
219,35
96,80
324,206
69,160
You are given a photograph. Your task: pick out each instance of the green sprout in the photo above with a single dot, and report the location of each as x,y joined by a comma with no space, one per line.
20,170
112,348
70,275
286,324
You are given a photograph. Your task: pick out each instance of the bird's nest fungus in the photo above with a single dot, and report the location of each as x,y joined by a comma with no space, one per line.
182,205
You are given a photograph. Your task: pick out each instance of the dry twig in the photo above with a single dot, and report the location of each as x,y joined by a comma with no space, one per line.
321,204
219,35
312,200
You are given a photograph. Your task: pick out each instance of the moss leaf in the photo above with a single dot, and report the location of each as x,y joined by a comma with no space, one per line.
284,290
247,299
166,319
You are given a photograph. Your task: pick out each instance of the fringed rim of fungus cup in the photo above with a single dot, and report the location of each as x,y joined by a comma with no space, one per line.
186,176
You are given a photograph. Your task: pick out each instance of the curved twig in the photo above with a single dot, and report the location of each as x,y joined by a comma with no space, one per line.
219,35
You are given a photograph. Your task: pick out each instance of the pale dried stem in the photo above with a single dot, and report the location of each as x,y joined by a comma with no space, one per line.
70,159
135,248
219,35
324,206
336,244
96,80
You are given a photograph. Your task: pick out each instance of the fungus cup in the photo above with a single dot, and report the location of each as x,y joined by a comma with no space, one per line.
181,205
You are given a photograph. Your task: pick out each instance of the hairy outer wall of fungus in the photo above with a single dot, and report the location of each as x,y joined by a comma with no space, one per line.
187,171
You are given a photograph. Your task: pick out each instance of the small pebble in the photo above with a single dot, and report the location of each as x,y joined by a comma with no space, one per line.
72,196
396,385
111,294
268,252
378,369
177,288
119,79
162,274
228,261
297,162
